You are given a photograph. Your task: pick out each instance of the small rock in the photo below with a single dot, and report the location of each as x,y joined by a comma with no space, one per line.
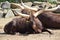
37,3
36,6
1,14
28,3
16,10
5,5
15,5
4,10
9,14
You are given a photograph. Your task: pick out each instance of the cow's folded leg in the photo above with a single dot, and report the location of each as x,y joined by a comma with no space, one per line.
38,25
36,29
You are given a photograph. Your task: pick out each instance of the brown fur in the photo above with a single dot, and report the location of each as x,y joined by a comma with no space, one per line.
24,25
20,25
50,19
37,24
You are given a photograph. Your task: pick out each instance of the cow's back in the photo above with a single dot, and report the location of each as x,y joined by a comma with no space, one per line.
50,20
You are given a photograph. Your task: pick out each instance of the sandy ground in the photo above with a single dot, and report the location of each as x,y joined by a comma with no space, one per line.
42,36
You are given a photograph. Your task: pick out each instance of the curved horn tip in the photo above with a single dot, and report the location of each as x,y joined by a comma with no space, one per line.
27,7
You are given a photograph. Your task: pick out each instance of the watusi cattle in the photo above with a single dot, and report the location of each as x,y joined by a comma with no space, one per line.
50,19
23,26
39,27
47,17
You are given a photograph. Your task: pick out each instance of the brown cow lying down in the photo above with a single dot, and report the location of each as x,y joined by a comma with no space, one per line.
24,26
21,25
50,20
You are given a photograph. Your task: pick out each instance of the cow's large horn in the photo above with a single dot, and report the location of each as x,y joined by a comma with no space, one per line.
41,11
53,9
24,15
20,14
38,12
35,9
18,5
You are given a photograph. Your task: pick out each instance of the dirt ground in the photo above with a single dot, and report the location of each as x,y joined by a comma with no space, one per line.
42,36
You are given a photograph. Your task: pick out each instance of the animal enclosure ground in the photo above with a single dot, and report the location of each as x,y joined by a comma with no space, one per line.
42,36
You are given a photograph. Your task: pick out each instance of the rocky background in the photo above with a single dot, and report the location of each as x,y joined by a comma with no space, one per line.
7,9
7,13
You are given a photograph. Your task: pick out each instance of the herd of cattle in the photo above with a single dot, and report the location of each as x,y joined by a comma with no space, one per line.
33,20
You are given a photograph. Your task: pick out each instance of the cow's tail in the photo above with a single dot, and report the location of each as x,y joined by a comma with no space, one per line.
46,30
